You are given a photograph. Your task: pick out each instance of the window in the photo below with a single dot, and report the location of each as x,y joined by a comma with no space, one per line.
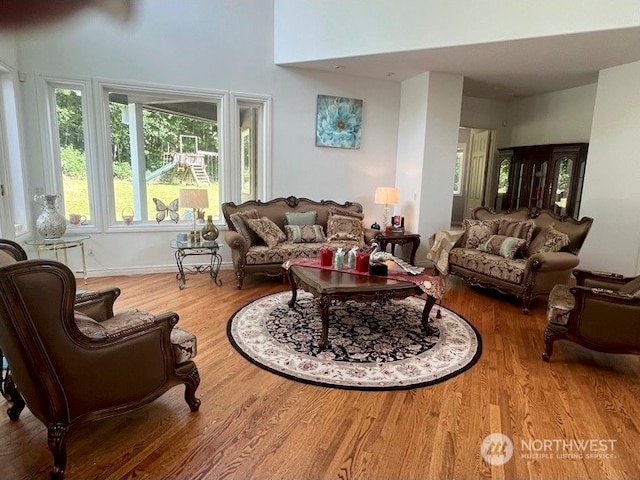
152,142
160,142
251,116
459,170
13,199
68,171
69,139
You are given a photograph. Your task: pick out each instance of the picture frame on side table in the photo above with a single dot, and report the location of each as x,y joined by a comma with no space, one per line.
397,223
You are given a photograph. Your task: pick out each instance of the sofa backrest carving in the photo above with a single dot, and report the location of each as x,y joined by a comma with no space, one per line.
577,230
275,209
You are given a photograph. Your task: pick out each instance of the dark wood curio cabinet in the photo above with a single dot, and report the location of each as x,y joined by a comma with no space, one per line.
541,176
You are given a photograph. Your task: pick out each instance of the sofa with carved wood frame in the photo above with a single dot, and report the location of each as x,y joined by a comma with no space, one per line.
528,277
255,257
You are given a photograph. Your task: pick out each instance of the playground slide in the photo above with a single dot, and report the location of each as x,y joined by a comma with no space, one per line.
156,173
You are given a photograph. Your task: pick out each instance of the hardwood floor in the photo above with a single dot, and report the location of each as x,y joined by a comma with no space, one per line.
255,424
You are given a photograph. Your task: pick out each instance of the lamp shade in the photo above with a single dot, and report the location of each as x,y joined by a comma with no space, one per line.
193,198
386,195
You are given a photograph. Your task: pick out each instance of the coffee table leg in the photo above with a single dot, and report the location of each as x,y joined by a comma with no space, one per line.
323,303
294,289
428,305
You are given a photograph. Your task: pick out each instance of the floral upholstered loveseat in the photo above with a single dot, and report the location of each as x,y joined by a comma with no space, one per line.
302,228
524,253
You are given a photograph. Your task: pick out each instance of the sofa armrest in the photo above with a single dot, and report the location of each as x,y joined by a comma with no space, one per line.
235,241
370,235
589,278
552,261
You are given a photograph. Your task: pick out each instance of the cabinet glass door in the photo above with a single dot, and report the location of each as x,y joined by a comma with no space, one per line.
538,184
518,182
561,185
504,171
579,182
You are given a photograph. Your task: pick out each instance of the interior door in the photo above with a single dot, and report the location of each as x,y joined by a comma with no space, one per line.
476,176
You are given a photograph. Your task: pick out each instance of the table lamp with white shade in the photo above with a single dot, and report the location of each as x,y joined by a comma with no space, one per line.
195,198
386,196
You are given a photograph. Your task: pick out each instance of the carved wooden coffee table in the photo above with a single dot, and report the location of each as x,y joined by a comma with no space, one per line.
329,285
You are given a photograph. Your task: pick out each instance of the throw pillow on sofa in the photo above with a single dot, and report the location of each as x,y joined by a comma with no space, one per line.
304,233
267,230
345,213
549,240
477,232
239,222
518,229
301,218
506,247
340,227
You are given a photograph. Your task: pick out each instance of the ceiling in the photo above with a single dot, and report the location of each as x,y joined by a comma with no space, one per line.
504,70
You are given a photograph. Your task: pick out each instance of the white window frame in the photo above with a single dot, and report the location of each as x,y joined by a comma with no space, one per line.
112,223
53,182
263,162
96,126
14,202
462,149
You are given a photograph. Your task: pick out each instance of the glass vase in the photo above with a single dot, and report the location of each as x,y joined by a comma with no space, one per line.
209,231
50,224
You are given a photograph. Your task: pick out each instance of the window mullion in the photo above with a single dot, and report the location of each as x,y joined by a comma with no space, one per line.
138,164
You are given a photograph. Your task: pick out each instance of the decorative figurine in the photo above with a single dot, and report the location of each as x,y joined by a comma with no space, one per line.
378,257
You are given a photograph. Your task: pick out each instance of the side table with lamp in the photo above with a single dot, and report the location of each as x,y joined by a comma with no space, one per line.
197,244
394,234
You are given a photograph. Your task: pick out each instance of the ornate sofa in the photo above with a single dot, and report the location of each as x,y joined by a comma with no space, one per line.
251,254
533,272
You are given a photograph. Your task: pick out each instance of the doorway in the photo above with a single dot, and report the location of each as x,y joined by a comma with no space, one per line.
475,147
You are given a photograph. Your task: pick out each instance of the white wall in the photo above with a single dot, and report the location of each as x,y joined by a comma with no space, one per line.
427,145
486,114
214,44
611,188
317,29
8,49
558,117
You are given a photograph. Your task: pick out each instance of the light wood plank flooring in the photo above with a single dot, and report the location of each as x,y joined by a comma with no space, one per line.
254,424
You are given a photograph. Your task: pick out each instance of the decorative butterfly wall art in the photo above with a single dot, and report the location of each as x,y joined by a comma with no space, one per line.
163,210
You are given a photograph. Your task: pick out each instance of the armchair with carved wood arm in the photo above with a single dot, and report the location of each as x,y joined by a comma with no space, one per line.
74,361
602,312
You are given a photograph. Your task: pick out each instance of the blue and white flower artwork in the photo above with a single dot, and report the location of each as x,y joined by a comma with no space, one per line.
339,122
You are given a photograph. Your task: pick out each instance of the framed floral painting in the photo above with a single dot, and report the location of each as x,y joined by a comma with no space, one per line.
338,122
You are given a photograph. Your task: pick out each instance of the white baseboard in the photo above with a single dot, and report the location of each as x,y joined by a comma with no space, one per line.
143,270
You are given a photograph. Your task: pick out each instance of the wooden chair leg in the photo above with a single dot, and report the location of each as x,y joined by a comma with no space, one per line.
191,385
549,338
240,279
57,439
12,395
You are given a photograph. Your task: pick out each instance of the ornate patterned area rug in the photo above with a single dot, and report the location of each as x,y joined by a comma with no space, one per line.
371,346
